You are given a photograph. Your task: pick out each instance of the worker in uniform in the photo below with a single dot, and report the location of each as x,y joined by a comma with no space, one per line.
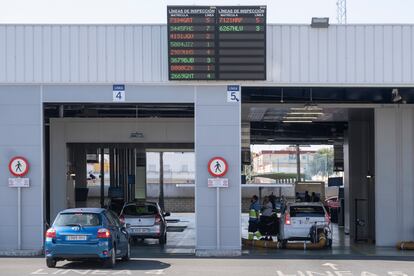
254,211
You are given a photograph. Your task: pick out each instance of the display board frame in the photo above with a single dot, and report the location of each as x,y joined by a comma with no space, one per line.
205,47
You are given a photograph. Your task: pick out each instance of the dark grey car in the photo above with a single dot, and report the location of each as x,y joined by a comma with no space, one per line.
145,220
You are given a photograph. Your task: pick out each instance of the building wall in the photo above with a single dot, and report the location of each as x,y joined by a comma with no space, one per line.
71,61
21,135
394,179
296,54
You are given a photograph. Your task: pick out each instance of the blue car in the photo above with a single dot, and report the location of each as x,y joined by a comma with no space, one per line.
87,233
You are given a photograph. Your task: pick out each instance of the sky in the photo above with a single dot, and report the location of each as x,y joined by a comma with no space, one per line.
154,11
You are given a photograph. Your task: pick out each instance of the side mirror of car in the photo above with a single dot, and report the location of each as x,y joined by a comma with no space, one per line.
167,214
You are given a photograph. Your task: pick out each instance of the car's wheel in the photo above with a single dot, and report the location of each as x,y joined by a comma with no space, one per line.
51,263
163,239
110,262
128,253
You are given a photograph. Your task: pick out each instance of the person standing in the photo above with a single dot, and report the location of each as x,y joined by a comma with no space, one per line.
315,197
266,218
254,211
307,197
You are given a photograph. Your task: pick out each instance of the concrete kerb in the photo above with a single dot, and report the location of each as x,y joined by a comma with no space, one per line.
217,253
20,253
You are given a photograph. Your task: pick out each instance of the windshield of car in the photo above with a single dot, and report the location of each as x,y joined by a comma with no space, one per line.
78,219
307,211
140,210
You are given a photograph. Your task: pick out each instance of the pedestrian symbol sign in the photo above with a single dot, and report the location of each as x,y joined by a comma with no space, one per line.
19,166
217,167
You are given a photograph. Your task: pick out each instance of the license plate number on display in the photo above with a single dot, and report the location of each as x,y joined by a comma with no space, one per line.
76,238
140,230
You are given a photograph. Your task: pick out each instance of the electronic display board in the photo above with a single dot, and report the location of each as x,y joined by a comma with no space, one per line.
217,43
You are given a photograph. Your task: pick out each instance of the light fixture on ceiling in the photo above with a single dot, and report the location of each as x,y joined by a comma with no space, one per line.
136,135
320,22
300,117
296,121
307,108
305,113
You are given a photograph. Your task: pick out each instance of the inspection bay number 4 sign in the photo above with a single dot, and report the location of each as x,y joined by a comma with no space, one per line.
118,93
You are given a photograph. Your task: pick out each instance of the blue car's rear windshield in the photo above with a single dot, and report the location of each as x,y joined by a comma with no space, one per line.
78,219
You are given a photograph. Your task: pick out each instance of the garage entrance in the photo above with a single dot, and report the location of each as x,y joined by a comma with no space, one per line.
110,155
318,140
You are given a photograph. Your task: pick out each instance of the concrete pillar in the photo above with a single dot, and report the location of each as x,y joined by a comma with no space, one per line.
217,133
21,128
359,164
394,166
141,175
60,169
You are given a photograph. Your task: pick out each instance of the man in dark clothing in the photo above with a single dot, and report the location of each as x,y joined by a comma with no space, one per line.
307,197
272,199
315,197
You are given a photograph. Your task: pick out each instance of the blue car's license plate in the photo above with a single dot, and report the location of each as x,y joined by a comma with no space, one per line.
76,238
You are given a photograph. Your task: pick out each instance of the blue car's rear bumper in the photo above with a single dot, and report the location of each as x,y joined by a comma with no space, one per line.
100,250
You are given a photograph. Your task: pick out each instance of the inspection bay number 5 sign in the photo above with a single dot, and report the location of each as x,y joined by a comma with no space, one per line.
118,93
233,93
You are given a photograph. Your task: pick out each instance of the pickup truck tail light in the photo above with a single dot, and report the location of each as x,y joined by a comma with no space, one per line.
287,219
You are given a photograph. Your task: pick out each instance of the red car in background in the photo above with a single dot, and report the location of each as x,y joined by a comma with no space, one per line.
332,203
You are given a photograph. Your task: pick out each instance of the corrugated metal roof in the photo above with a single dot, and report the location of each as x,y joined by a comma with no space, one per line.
296,54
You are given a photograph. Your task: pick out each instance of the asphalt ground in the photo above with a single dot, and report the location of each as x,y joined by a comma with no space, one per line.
213,266
177,258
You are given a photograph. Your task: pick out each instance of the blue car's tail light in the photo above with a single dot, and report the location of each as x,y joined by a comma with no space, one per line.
104,233
51,233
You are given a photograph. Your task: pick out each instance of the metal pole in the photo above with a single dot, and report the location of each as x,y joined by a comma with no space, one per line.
298,163
102,178
19,218
161,194
218,217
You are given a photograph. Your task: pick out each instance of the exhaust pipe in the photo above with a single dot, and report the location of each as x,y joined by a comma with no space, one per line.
406,245
294,245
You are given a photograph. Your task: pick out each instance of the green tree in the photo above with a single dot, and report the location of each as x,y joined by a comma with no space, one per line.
322,163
